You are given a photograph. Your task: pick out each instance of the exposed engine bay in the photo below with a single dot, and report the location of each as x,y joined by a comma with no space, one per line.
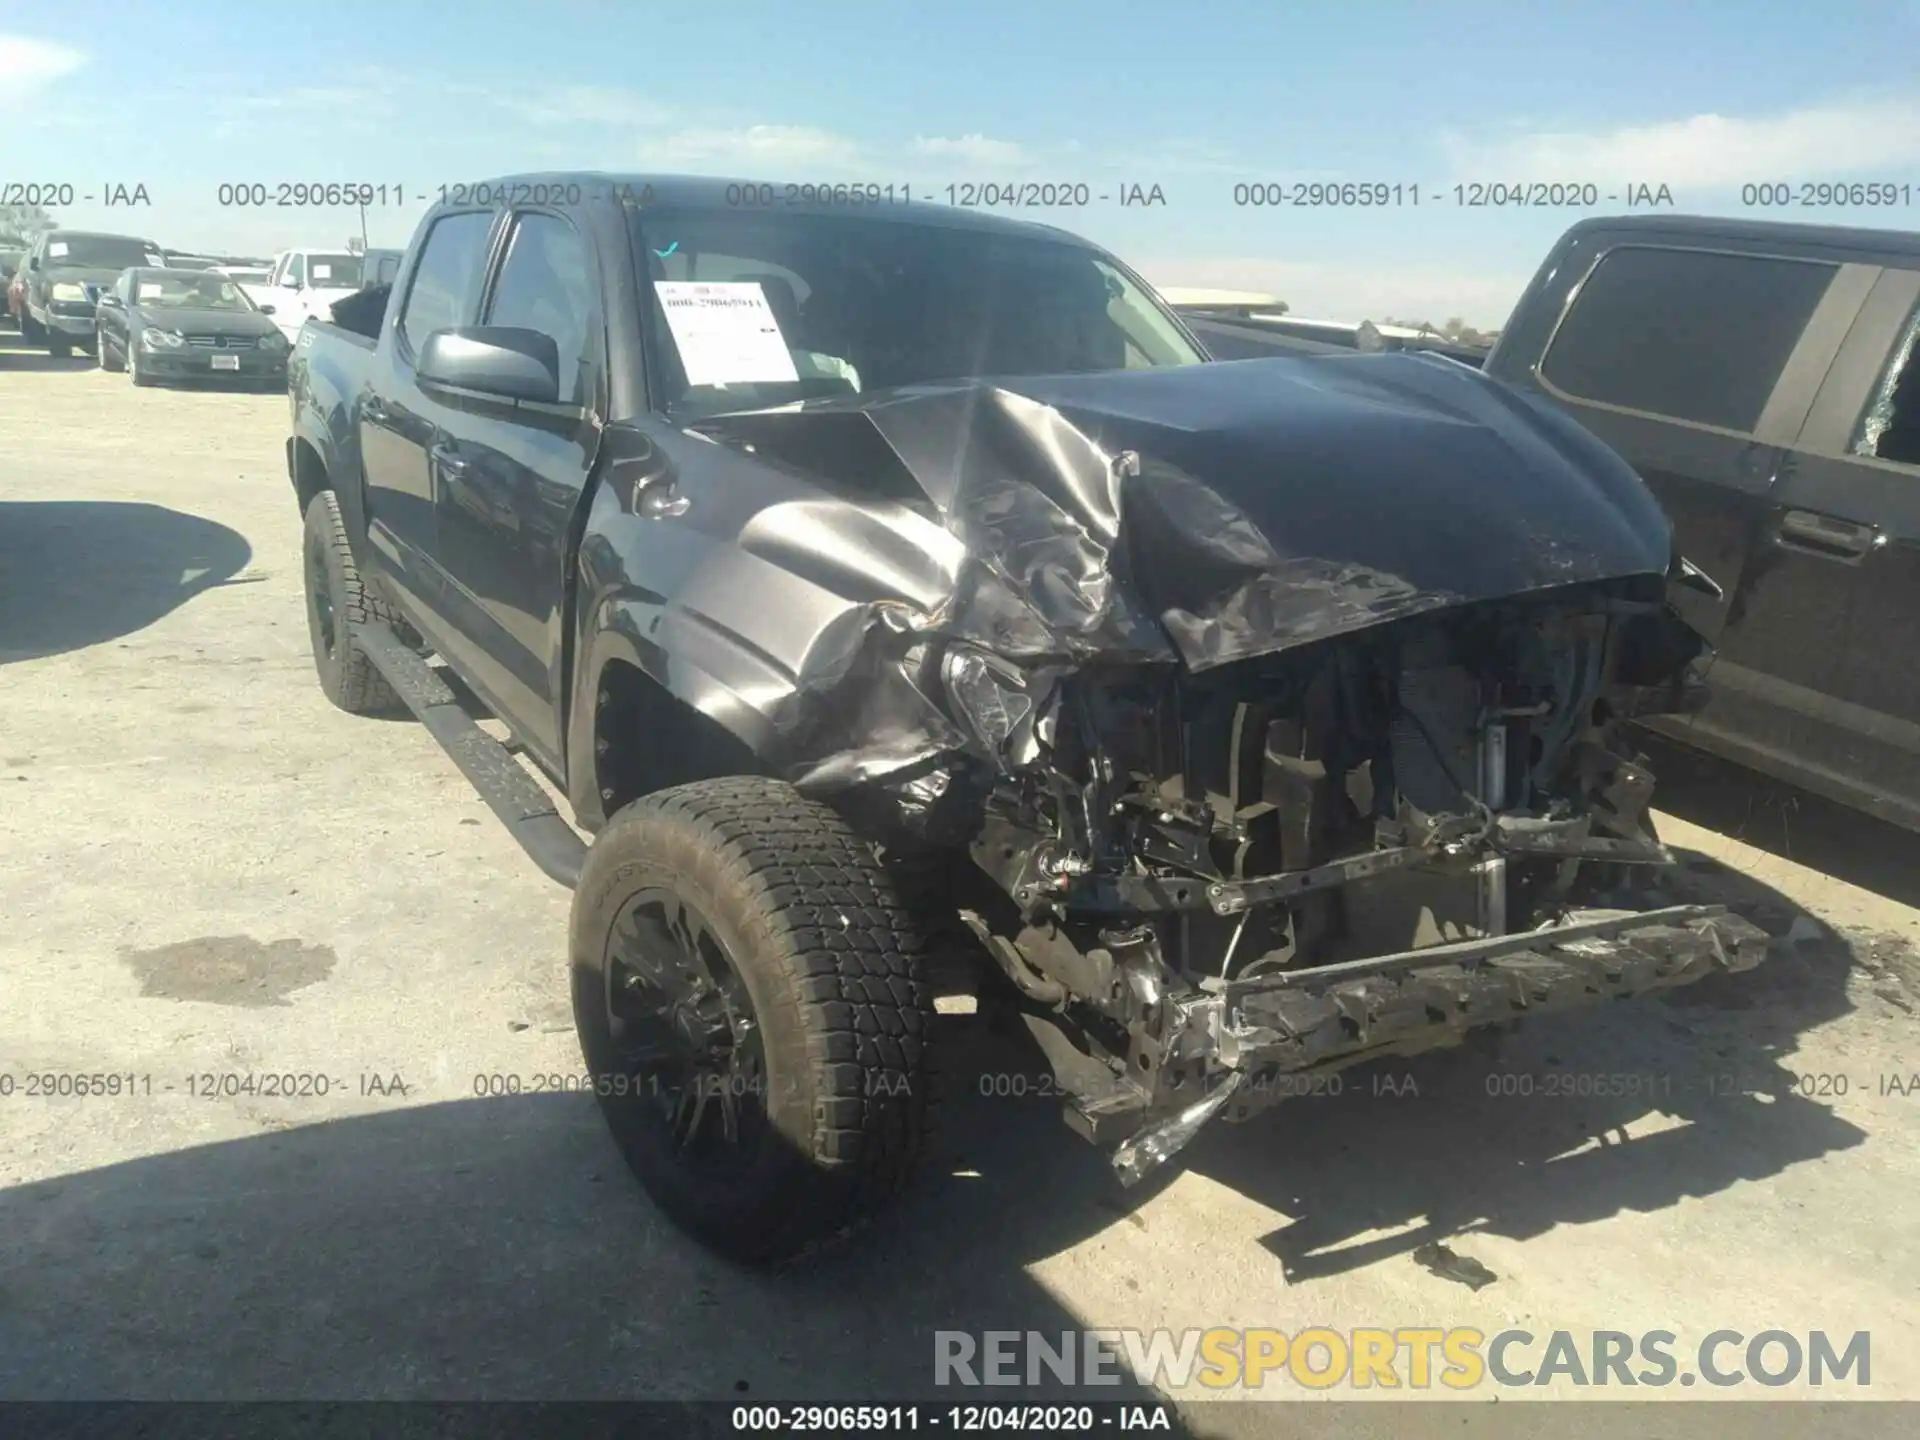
1281,706
1362,847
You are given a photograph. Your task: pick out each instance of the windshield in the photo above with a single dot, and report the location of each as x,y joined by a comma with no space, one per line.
100,252
334,272
755,309
189,290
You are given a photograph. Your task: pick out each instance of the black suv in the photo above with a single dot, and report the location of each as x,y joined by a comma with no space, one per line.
66,271
1761,377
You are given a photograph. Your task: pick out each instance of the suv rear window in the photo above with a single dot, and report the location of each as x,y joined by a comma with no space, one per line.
1691,334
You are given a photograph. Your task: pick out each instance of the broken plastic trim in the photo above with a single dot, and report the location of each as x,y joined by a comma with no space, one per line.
1141,1153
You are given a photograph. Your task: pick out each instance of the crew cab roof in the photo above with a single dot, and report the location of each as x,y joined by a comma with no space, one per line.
1782,232
711,191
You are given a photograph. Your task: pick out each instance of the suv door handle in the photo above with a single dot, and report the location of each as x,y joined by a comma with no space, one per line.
372,410
1830,538
447,460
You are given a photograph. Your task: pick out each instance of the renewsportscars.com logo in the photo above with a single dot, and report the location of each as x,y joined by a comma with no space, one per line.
1408,1358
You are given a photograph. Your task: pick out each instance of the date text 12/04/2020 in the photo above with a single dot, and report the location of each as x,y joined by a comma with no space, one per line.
993,1419
1472,195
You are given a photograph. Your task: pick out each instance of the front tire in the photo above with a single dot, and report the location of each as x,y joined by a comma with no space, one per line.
58,346
750,993
134,372
338,603
31,330
103,352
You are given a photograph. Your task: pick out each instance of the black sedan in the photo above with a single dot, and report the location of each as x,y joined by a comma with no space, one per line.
160,325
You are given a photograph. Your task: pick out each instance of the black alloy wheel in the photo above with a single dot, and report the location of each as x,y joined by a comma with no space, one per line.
686,1040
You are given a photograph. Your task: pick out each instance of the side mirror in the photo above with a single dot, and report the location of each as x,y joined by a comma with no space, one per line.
266,309
108,300
501,360
33,262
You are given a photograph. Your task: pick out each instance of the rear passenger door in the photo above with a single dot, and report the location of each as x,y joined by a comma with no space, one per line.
1839,575
398,423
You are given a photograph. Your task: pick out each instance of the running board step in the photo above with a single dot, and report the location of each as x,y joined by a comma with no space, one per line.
510,792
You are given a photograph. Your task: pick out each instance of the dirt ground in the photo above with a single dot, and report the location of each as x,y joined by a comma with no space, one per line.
205,870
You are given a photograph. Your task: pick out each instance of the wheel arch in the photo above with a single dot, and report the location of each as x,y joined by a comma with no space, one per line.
642,721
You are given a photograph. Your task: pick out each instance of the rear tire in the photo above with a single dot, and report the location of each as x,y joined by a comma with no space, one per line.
744,897
338,603
58,346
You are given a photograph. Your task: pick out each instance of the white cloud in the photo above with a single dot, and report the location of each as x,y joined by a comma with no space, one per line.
587,105
1355,292
752,145
973,149
29,66
1706,151
336,101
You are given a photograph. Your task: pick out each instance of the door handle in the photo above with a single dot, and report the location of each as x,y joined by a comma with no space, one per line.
1830,538
372,410
447,460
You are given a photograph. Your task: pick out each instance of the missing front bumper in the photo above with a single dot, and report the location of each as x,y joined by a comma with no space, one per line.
1251,1032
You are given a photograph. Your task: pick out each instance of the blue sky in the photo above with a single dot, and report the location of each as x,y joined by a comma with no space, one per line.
1194,97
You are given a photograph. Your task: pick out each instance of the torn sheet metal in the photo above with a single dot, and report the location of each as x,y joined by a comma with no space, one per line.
1198,516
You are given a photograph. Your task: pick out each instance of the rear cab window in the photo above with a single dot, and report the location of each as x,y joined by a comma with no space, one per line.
1694,335
447,277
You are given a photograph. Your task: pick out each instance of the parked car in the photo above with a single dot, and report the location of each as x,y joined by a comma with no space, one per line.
160,325
305,283
1763,380
1238,721
65,272
245,276
9,267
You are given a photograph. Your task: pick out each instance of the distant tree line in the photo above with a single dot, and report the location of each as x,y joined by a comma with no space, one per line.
21,225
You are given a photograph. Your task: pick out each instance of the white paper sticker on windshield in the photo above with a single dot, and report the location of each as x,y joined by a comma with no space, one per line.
56,247
322,272
726,332
149,289
158,262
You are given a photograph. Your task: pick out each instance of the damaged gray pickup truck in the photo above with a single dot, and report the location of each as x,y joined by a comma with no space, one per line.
888,586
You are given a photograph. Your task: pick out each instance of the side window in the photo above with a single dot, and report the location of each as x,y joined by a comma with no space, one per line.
447,277
1891,427
296,270
545,285
1691,334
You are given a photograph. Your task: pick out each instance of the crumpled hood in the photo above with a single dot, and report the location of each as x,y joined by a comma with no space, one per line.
1232,509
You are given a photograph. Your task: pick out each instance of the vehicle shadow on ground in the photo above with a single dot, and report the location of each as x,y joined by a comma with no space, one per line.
75,573
1538,1129
1787,821
17,353
498,1248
